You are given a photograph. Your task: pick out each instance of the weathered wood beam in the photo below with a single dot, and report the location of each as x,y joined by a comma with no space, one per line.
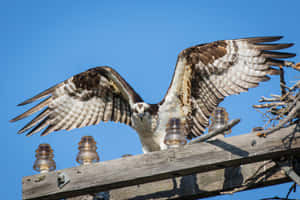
212,183
155,166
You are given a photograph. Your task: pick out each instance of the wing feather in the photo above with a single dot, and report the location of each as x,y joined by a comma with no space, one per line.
93,112
98,94
36,120
274,54
272,46
100,114
48,130
108,109
224,68
123,112
41,95
39,126
33,109
254,40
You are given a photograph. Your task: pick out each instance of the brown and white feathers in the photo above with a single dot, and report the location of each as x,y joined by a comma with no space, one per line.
204,75
98,94
224,68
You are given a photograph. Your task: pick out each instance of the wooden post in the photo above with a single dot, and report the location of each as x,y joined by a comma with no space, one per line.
227,154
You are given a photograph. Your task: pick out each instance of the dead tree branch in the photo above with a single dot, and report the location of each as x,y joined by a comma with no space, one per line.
216,131
282,110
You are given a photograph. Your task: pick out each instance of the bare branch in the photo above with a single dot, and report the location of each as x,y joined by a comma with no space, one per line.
297,85
293,65
275,95
265,99
269,105
295,111
216,132
292,188
282,110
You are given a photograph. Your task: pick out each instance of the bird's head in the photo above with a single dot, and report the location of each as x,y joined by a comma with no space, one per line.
140,109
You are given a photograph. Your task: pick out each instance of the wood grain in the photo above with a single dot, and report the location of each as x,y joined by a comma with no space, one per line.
155,166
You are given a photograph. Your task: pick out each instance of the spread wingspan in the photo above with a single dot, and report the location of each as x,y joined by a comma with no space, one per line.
215,70
98,94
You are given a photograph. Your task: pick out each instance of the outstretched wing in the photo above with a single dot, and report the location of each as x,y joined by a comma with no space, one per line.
207,73
98,94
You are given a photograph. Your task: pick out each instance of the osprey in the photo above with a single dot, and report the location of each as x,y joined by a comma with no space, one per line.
204,75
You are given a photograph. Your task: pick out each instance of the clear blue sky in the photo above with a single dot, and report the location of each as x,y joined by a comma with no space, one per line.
45,42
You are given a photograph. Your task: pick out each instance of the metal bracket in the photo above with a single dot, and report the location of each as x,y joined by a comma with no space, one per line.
62,179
